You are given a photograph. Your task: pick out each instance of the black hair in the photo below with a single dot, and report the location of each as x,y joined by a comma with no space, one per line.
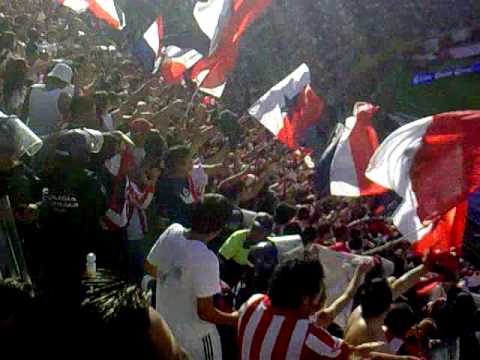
356,241
72,149
292,229
15,300
303,213
375,297
110,144
81,104
295,279
177,154
155,145
210,214
341,233
284,213
101,100
309,235
15,296
110,319
115,314
15,76
400,319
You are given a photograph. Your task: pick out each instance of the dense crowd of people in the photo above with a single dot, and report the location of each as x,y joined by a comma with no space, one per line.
163,184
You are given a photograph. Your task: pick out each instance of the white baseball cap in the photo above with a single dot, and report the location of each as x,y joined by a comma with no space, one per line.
62,72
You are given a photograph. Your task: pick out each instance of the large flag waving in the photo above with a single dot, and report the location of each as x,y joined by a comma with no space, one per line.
356,146
176,62
104,10
148,49
433,164
224,22
290,109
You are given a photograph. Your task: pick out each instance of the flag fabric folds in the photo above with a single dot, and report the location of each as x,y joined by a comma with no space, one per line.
321,177
148,49
79,6
104,10
446,234
356,146
290,109
176,62
224,22
433,164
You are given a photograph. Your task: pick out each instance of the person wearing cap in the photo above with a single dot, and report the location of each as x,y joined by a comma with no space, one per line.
234,252
49,104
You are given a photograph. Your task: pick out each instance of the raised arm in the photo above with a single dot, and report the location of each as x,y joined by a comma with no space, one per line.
326,316
407,281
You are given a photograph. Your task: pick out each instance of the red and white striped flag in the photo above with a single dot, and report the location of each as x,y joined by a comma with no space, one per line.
104,10
433,164
224,22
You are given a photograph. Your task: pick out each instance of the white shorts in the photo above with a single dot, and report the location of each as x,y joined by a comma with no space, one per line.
202,345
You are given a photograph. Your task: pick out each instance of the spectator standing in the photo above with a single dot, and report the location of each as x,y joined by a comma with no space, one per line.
188,277
49,104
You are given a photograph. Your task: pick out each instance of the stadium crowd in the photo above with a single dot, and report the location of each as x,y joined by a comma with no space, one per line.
210,237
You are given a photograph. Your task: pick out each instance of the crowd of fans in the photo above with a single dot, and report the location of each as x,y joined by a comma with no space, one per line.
154,179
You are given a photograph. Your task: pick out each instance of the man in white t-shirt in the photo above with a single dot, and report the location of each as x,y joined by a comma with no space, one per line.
188,277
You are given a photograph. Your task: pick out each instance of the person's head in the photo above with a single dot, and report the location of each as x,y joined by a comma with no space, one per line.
210,215
179,160
309,235
155,147
72,149
399,320
297,285
15,297
375,298
15,75
262,227
138,130
341,234
284,213
60,76
16,301
293,228
356,241
8,41
303,213
83,112
324,232
116,316
33,34
102,102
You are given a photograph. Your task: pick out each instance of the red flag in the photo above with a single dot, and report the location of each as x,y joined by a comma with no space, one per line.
305,113
447,233
357,144
433,164
290,109
210,73
104,10
176,62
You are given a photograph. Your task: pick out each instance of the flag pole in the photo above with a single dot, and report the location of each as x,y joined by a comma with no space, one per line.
394,242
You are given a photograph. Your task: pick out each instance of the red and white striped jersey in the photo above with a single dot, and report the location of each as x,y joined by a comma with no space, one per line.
267,333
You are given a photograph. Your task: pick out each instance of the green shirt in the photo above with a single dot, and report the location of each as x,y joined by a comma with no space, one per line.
233,247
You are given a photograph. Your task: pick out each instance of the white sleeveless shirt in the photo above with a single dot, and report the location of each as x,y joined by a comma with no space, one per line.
44,115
